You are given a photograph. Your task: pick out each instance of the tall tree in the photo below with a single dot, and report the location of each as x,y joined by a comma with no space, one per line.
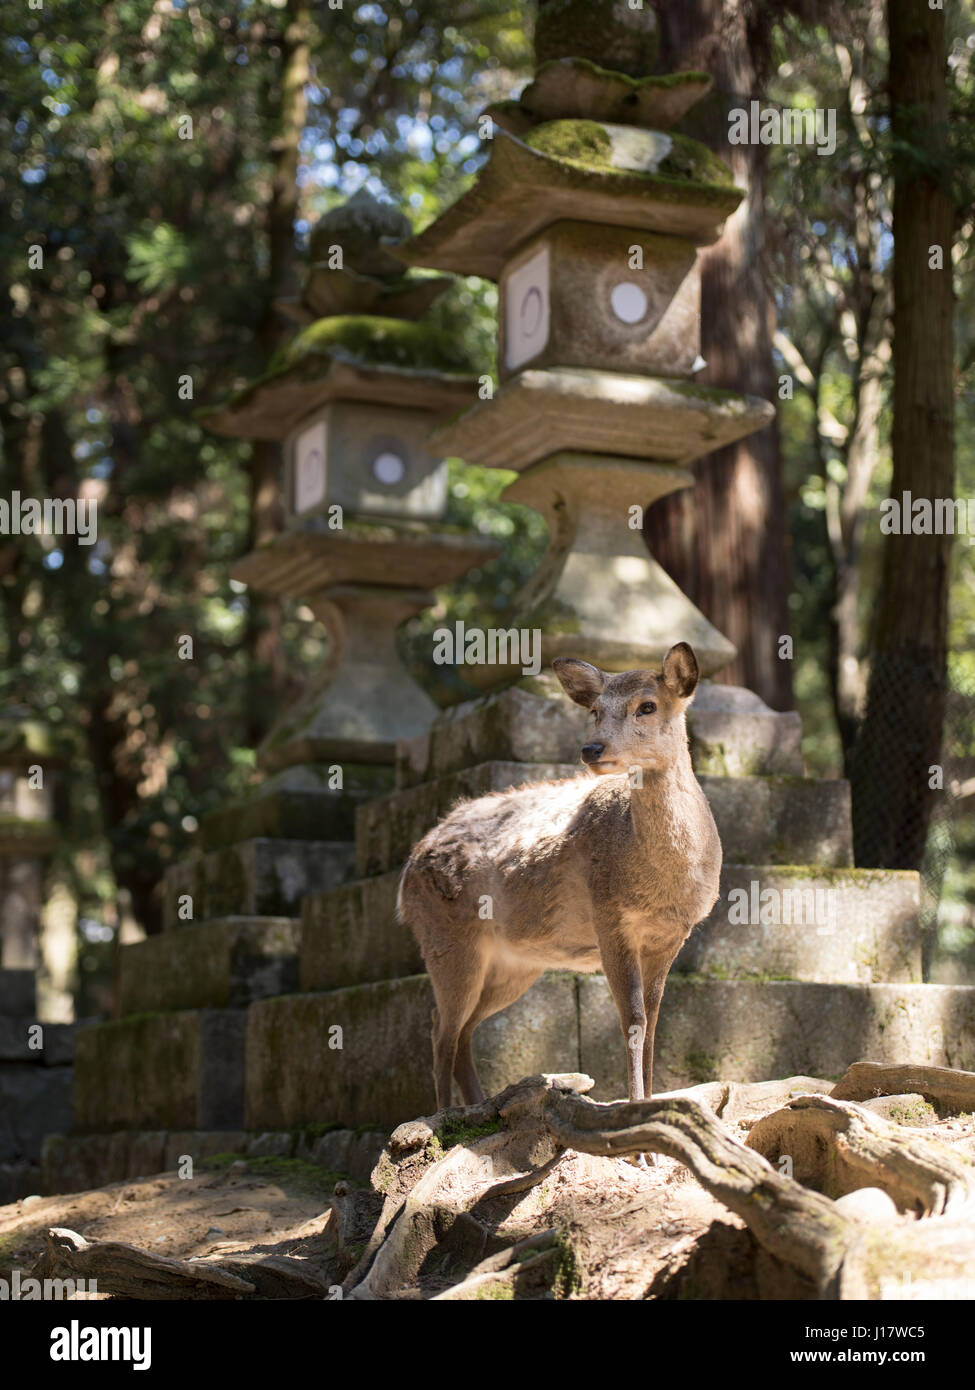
285,104
725,540
900,740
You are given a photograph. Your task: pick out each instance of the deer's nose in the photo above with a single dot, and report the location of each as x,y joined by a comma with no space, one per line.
592,752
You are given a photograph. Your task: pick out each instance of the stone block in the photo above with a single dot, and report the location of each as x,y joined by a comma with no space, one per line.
77,1163
732,733
297,804
54,1041
782,820
255,878
743,1030
383,1072
846,925
761,820
513,725
221,964
202,1144
18,1180
146,1153
17,998
34,1101
161,1071
380,1074
351,936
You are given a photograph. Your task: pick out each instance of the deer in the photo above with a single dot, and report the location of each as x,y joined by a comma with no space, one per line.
610,872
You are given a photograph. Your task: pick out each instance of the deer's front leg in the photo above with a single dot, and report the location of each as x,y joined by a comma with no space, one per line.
655,977
625,978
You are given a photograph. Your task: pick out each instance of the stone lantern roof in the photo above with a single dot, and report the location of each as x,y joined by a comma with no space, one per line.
587,141
360,338
579,170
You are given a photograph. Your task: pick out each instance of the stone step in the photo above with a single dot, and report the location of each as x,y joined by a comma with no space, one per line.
34,1101
761,820
869,932
19,1180
732,733
224,964
351,936
52,1046
740,1030
254,878
161,1071
381,1073
298,804
17,993
746,1030
857,926
79,1162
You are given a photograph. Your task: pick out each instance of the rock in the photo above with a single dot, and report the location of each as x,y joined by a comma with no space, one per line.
868,1204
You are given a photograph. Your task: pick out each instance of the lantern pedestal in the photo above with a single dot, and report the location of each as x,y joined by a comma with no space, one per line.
597,590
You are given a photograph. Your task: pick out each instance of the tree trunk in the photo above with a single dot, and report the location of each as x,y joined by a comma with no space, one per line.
900,741
287,111
725,541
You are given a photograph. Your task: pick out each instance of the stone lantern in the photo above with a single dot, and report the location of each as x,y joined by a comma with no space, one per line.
353,398
589,214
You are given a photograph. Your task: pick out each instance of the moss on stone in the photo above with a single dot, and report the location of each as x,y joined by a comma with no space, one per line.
599,147
689,159
453,1132
375,341
586,143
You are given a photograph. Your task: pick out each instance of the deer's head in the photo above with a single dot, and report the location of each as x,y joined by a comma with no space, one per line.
637,716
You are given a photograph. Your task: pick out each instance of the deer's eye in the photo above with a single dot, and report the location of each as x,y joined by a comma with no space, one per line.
594,713
648,707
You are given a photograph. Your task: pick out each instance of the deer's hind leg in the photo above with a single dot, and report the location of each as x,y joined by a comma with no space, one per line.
502,986
458,979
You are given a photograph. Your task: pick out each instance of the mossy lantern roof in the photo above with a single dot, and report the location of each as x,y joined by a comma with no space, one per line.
353,357
581,171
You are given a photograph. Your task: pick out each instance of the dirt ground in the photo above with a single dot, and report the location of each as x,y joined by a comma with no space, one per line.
638,1232
269,1205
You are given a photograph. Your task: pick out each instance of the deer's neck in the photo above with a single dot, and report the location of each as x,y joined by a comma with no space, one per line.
667,801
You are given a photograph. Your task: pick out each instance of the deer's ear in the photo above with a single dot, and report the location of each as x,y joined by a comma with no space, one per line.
681,672
580,681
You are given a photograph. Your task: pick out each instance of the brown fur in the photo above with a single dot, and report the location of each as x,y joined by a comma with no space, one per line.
581,874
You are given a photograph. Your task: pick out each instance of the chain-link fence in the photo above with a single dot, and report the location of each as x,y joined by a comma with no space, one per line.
948,867
910,810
